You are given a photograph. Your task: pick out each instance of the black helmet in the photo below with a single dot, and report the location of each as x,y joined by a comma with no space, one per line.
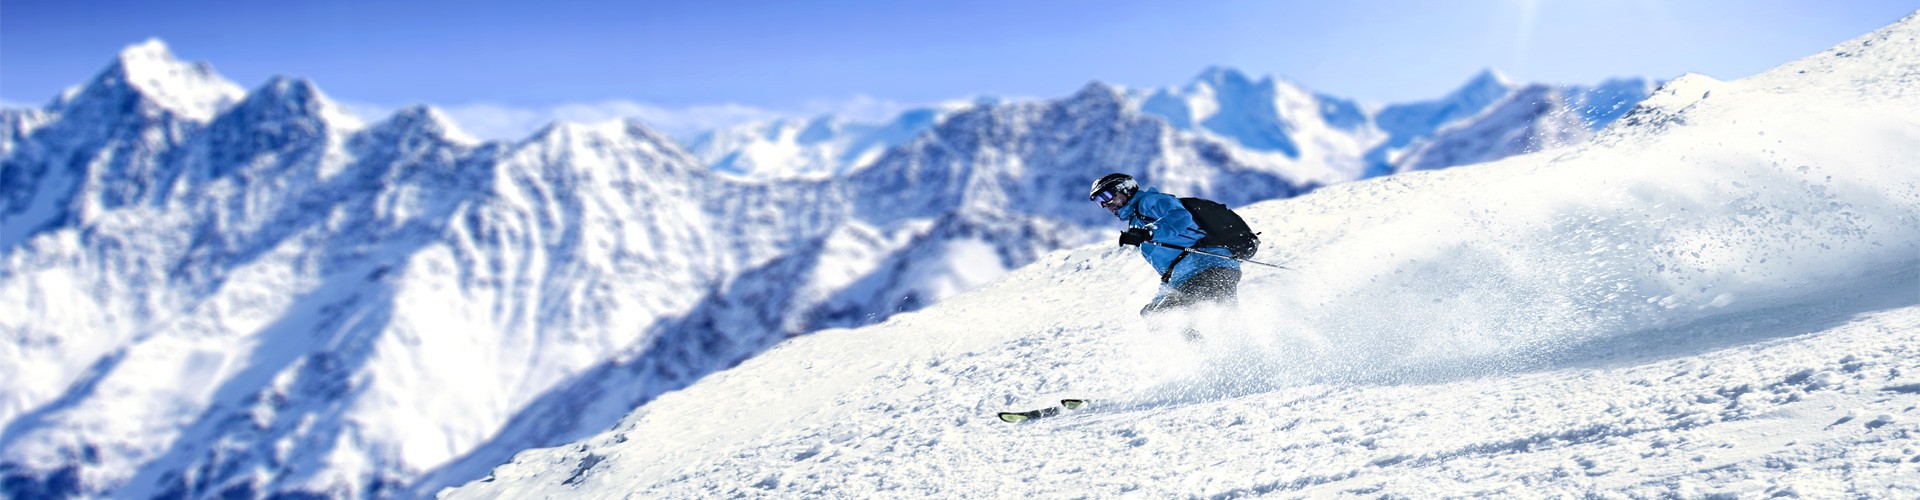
1119,184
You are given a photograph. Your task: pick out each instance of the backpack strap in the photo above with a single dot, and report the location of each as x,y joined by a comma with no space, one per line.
1167,275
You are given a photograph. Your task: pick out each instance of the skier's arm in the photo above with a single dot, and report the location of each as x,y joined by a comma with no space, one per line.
1170,220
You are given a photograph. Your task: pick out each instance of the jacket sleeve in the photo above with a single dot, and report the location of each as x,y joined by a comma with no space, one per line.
1173,224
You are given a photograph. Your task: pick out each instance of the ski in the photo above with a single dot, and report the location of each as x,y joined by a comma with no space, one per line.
1022,416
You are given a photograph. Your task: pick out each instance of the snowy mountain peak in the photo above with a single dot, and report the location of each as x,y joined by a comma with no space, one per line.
556,135
1230,80
423,115
286,99
824,146
424,120
621,144
591,135
1226,77
297,91
151,50
1406,122
149,70
1263,115
1488,80
279,127
639,131
1480,91
1097,93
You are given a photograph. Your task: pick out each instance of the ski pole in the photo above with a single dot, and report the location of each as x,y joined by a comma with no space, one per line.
1198,251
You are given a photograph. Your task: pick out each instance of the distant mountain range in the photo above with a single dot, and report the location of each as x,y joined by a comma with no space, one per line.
1313,136
206,290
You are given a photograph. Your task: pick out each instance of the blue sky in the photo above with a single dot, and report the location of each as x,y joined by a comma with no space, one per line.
502,66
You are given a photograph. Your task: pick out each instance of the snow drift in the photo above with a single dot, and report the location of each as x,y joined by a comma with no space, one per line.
1720,294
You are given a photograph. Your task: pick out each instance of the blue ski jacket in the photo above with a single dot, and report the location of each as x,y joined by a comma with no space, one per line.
1171,224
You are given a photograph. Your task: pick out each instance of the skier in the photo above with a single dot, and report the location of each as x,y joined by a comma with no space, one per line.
1187,278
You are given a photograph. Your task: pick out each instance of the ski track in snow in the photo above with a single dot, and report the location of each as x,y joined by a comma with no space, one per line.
1718,298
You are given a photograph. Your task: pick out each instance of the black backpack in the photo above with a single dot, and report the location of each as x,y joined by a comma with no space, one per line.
1223,227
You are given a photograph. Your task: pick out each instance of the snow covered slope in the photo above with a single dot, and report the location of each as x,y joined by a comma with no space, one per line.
1718,295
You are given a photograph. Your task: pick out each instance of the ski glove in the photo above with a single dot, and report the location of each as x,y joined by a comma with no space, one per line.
1135,236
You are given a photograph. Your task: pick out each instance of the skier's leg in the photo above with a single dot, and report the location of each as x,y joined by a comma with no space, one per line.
1225,286
1214,284
1216,287
1171,300
1170,312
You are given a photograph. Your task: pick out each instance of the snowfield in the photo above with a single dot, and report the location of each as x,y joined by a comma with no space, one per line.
1718,296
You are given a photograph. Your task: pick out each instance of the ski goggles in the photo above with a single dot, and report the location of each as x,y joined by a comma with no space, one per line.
1103,196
